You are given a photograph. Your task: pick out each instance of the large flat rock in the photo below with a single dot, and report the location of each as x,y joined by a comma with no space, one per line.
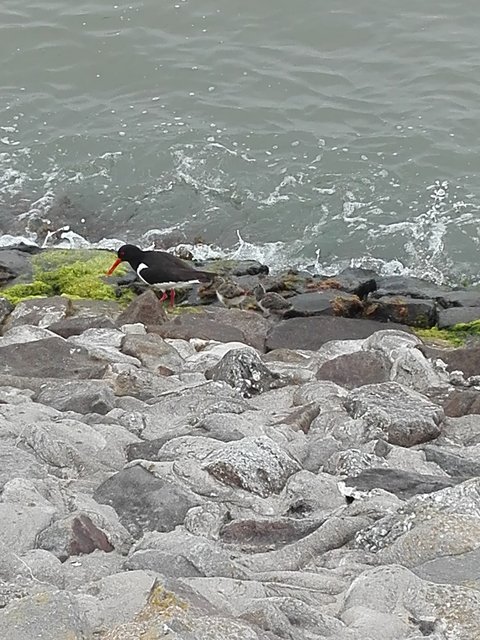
50,358
312,333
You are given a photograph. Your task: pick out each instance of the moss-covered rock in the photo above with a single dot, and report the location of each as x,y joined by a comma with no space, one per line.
73,273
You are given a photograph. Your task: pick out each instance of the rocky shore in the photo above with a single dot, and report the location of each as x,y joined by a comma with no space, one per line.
220,473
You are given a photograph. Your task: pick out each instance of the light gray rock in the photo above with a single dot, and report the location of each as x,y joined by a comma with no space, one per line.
98,338
80,570
137,328
210,352
40,312
390,342
257,465
128,380
396,590
85,396
43,566
243,370
411,369
153,352
20,525
389,409
180,554
15,462
47,615
25,333
12,395
118,598
322,392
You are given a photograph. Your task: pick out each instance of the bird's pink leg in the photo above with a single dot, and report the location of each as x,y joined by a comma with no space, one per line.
172,297
164,296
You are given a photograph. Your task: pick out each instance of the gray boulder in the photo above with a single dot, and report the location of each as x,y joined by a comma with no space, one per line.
153,352
243,370
49,358
404,417
40,312
83,396
356,369
145,502
6,309
257,465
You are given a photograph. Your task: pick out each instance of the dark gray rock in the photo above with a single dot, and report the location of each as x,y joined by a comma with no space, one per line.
236,267
312,333
356,369
324,303
243,370
73,326
455,461
80,396
13,263
40,312
73,535
404,484
464,359
408,286
146,308
404,310
461,298
462,403
144,502
50,358
403,416
360,282
455,315
257,465
222,325
6,309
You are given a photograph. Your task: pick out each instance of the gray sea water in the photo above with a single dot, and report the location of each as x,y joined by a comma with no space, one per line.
309,132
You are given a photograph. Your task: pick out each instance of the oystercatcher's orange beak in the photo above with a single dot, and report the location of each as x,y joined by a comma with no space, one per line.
114,266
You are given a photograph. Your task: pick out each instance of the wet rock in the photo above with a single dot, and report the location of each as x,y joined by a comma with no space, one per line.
257,465
401,309
243,370
312,333
6,309
145,502
237,267
403,416
56,614
40,312
324,303
73,536
152,351
49,358
359,282
20,525
73,326
146,308
13,263
462,402
356,369
461,298
80,396
455,315
410,287
404,484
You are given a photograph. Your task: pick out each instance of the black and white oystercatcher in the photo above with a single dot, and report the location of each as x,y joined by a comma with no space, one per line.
161,270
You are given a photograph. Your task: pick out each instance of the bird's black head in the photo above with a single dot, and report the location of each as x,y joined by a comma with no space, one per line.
128,252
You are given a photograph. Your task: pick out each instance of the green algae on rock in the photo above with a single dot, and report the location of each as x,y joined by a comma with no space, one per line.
76,273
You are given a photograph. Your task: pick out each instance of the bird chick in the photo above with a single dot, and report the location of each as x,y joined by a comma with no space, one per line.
229,293
271,302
